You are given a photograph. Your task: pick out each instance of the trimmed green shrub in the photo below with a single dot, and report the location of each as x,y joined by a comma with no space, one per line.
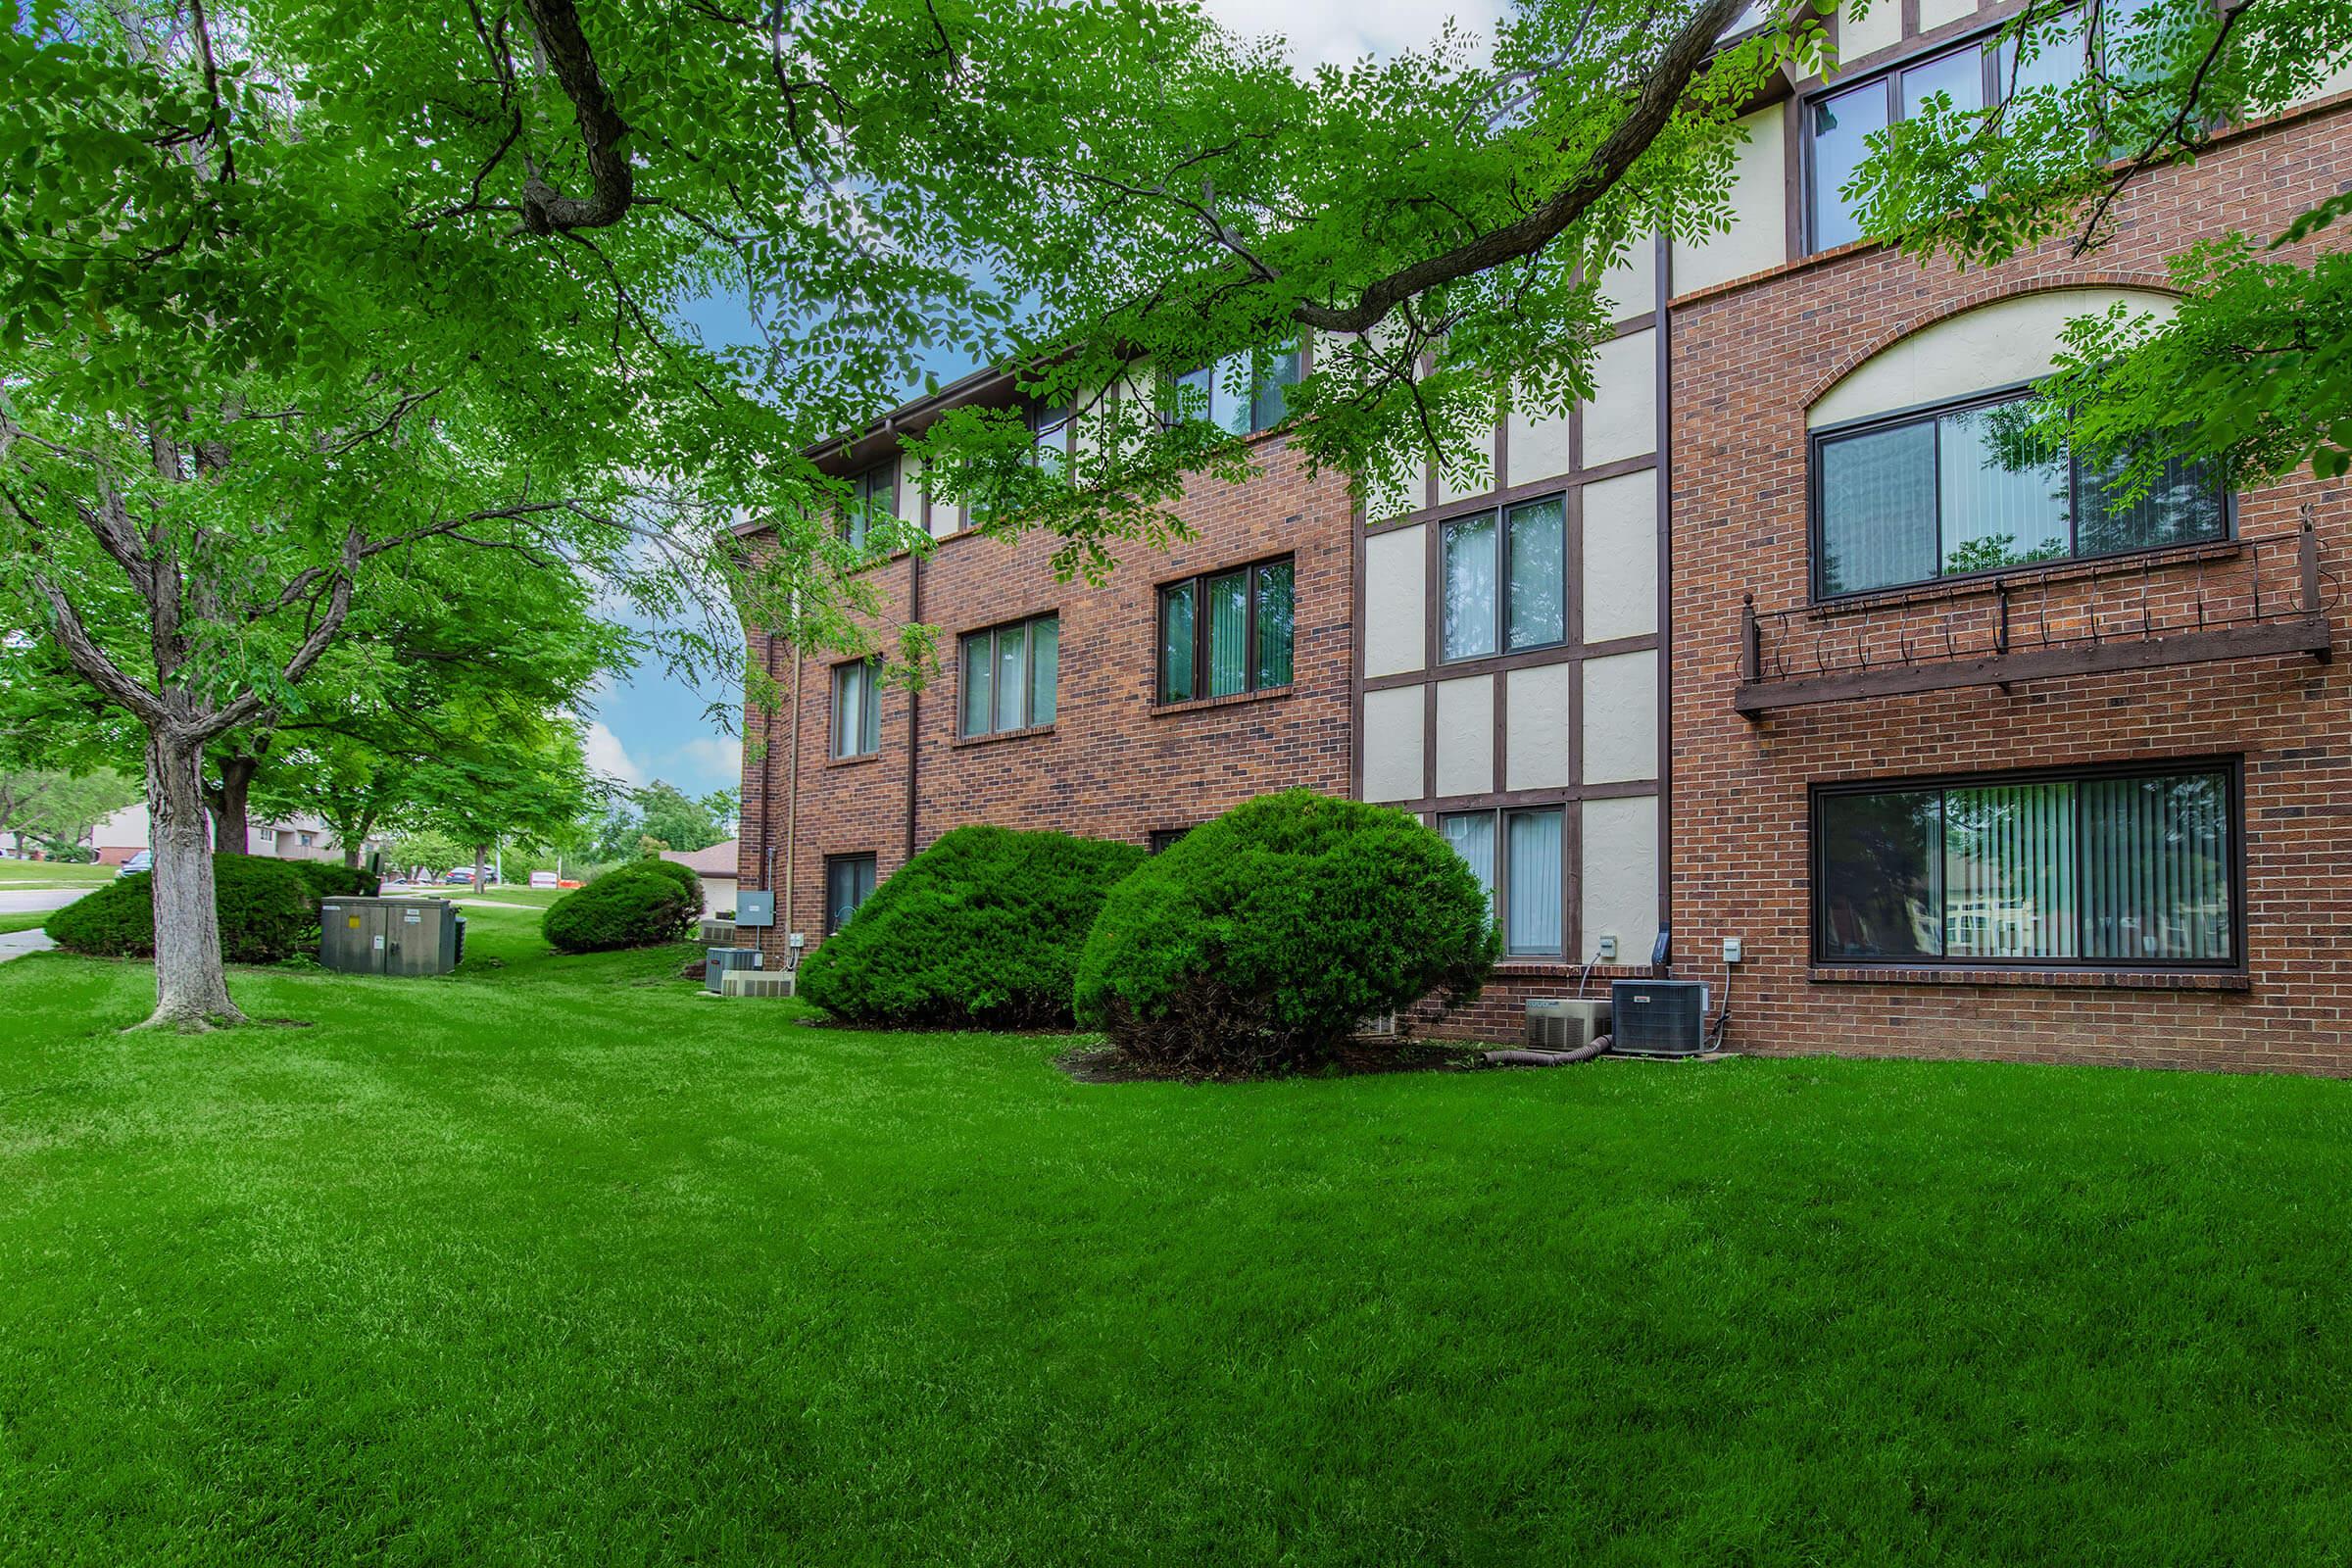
1262,939
266,911
632,905
684,875
333,879
982,929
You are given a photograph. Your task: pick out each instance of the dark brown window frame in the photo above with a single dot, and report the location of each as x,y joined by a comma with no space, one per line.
1198,582
1991,81
868,857
1502,870
866,497
1499,512
1029,719
1815,520
873,698
2233,767
1175,381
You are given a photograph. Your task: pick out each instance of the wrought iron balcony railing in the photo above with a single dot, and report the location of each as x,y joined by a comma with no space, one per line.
2231,598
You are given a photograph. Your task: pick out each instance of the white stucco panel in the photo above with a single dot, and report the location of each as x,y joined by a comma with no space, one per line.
1393,744
1621,717
1396,600
1618,857
1535,736
1881,28
1631,284
1466,736
1622,420
1995,345
1933,14
1620,579
1536,447
1758,238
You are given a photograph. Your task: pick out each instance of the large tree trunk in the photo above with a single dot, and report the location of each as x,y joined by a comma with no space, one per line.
233,827
482,860
191,985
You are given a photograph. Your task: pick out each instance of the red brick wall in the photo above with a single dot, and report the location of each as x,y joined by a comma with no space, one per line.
1113,766
1746,361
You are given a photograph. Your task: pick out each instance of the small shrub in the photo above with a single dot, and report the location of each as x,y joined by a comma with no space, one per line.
332,880
1263,939
982,929
266,913
629,907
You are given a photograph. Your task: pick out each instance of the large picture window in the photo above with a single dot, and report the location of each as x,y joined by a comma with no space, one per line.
848,882
2123,868
1958,490
1524,883
1504,580
1839,125
1009,674
1242,393
857,709
1226,632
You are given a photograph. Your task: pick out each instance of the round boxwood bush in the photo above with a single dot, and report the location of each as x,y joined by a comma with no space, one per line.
1262,939
982,929
633,905
267,914
684,876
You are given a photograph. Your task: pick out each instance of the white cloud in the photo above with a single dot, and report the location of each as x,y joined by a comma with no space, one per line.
606,756
709,762
1323,32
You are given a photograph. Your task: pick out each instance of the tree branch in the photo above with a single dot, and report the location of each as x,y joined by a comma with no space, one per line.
613,183
1662,93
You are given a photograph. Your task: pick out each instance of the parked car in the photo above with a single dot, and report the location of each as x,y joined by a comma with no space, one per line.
144,860
463,876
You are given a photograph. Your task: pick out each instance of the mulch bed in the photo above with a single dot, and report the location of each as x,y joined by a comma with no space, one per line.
1104,1064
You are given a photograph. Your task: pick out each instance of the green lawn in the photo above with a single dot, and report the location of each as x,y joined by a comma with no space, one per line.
54,875
24,920
553,1263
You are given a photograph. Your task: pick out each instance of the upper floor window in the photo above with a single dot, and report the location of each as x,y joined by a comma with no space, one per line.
2123,868
1226,632
848,882
857,708
1921,496
1231,396
1009,674
874,495
1985,70
1050,436
1504,580
1525,886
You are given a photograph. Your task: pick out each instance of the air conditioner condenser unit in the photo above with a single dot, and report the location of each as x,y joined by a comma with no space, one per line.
1658,1017
1565,1023
717,963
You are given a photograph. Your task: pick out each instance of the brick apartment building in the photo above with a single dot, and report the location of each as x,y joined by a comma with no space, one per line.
1758,645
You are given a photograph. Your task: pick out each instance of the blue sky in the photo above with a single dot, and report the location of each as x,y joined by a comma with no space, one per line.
650,725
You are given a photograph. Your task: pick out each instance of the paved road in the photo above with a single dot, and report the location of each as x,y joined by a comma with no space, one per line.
26,901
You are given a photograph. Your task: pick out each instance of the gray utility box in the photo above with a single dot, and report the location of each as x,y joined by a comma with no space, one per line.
720,963
754,907
1565,1023
390,936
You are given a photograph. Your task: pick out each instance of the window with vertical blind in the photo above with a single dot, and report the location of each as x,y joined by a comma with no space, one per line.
1519,858
857,708
2126,867
1988,70
1227,632
873,497
1503,580
1940,493
848,882
1242,393
1010,676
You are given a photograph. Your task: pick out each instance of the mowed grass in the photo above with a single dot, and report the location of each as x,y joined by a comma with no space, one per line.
552,1262
15,874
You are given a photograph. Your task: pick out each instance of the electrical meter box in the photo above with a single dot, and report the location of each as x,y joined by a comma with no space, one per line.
390,936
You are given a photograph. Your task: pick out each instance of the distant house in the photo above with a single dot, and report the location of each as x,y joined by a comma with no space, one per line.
298,838
716,866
